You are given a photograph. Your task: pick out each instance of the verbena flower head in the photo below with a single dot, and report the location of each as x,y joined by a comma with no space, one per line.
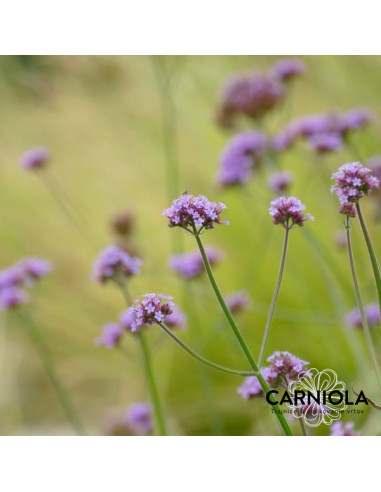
11,297
341,429
288,211
35,268
280,181
284,139
197,212
111,335
241,156
374,164
116,264
372,314
149,310
353,181
34,159
139,418
252,96
177,319
249,388
356,119
123,223
286,69
284,366
322,143
12,277
238,301
190,265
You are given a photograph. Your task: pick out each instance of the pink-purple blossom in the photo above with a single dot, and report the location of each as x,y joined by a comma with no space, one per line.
35,158
190,265
341,429
177,319
194,213
280,181
238,301
287,68
322,143
288,211
11,297
114,263
148,310
372,314
12,276
139,418
111,335
252,96
241,157
35,268
353,181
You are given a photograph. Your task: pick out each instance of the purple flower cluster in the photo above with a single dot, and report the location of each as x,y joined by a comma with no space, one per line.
288,211
280,181
15,279
287,68
149,310
324,132
34,159
111,335
190,265
238,301
353,181
340,429
197,212
176,319
372,314
139,419
375,165
116,264
242,155
252,96
284,367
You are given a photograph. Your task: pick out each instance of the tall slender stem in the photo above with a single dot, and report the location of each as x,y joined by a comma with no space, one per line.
283,422
303,426
372,254
51,372
274,300
152,385
202,359
360,305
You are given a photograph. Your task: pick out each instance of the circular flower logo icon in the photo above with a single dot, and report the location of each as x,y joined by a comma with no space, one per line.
317,396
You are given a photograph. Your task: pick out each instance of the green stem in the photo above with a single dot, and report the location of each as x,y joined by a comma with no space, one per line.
274,300
372,254
202,359
303,427
55,380
360,305
283,422
152,385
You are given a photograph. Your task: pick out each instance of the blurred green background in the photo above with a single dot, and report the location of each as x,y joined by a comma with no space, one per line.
107,122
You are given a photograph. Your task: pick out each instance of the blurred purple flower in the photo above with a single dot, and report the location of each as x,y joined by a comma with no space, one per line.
372,314
280,181
35,268
11,297
240,157
12,277
252,96
35,158
149,310
177,319
353,181
190,265
287,68
356,119
249,388
288,212
190,211
139,418
340,429
111,335
325,142
116,264
238,301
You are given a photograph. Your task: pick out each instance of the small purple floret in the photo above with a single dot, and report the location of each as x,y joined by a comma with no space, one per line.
238,301
288,211
372,314
12,297
139,418
287,68
115,263
150,309
325,142
35,158
280,181
190,265
340,429
111,335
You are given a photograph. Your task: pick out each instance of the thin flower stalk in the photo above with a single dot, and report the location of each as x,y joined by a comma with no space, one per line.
51,372
202,359
274,300
372,254
283,422
149,374
360,305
